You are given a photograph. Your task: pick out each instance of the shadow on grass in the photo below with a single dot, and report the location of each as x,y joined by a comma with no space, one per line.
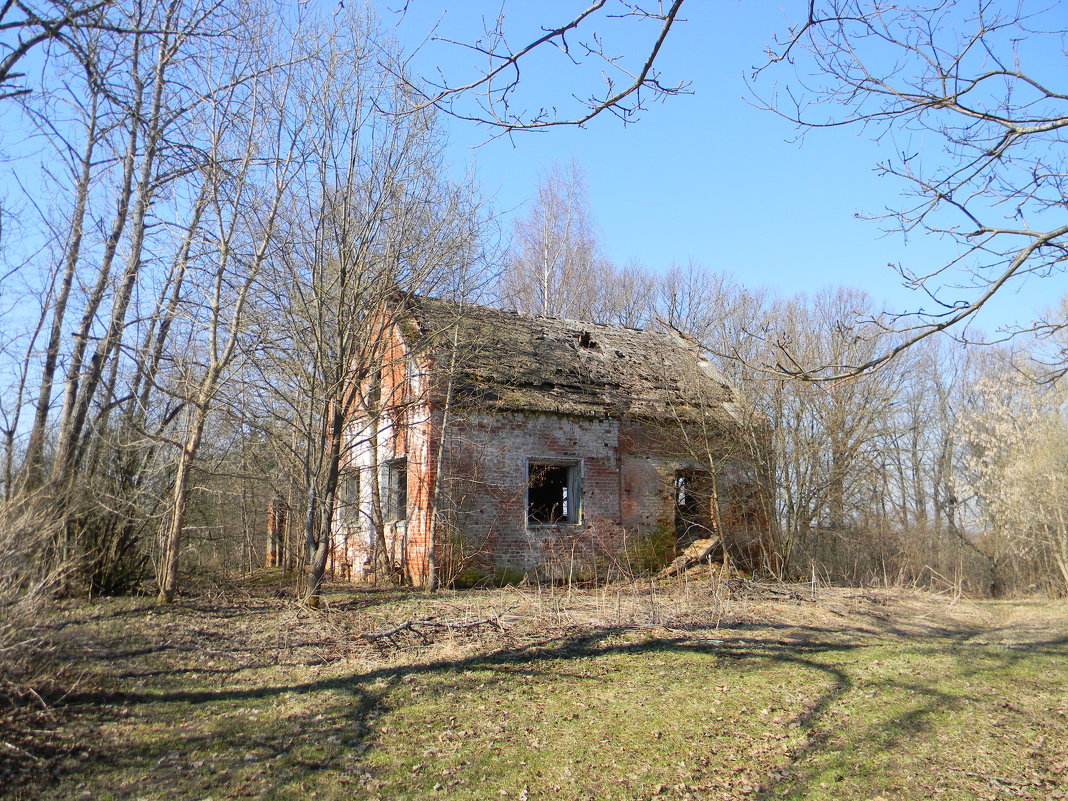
344,710
269,739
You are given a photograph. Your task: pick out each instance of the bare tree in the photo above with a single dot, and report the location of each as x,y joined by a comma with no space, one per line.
554,268
149,94
626,82
826,437
1017,444
844,458
141,255
248,166
970,82
26,25
627,297
371,220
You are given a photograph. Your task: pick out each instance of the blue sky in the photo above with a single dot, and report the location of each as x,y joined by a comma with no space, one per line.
708,175
705,175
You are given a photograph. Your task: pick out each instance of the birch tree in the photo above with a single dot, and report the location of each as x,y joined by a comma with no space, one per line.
151,153
553,267
250,161
157,108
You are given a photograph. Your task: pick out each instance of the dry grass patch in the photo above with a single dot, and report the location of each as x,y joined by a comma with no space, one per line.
692,690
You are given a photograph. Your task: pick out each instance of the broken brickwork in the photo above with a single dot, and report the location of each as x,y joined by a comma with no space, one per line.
524,445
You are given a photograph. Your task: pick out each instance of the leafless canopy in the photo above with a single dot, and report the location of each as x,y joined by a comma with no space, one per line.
25,24
962,98
493,96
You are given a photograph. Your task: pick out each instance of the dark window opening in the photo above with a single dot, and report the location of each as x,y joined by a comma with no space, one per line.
395,502
693,506
553,493
350,497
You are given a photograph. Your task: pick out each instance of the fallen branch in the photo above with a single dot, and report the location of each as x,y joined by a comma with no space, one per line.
407,625
418,626
696,553
765,590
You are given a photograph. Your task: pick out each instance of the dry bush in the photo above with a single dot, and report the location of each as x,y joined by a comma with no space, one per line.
603,554
33,566
884,555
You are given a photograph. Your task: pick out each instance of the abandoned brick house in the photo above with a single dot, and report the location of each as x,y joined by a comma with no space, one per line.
522,445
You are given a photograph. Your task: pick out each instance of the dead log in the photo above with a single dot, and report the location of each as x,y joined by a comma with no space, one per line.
694,554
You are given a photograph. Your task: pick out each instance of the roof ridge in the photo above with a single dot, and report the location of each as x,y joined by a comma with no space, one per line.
529,316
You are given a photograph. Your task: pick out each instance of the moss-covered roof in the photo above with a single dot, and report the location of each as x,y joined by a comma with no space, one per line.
516,362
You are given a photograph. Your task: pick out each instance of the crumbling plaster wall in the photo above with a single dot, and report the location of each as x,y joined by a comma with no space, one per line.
487,463
401,428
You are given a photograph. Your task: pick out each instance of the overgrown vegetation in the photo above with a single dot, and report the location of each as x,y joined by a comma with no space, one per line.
258,191
30,573
236,192
695,689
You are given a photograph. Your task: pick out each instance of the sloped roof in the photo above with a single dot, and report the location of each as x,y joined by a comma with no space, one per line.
516,362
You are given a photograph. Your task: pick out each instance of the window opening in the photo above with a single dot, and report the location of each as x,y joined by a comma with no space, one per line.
396,490
350,497
553,493
693,496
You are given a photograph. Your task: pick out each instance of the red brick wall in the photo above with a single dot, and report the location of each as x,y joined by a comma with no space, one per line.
626,478
405,431
485,478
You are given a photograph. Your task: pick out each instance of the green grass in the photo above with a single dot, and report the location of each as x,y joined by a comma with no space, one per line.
259,699
613,720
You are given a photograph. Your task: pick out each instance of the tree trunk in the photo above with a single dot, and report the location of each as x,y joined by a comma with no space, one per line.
59,309
79,398
172,539
319,555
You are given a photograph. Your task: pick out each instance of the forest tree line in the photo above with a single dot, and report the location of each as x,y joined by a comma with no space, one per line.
216,200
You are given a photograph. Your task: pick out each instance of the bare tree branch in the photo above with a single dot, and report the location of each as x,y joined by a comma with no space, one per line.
967,88
495,90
